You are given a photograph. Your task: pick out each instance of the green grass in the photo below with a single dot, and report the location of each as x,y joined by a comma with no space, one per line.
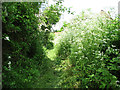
55,72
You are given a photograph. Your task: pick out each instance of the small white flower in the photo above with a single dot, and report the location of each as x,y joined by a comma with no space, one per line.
9,62
113,46
117,81
7,38
75,52
9,56
95,43
9,65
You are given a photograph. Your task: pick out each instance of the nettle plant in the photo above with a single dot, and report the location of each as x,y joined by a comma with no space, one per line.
92,45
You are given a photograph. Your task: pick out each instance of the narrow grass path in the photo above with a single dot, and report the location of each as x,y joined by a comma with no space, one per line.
54,73
51,77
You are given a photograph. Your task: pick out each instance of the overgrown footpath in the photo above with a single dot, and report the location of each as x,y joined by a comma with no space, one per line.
88,54
56,70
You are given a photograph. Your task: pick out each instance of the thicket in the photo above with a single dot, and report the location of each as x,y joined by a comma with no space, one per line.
19,25
92,46
24,44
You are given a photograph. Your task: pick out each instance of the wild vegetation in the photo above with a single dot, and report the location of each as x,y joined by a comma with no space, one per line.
91,50
24,57
86,54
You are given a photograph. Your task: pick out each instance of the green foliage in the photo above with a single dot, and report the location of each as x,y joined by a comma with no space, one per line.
91,44
88,50
21,75
65,24
24,47
50,16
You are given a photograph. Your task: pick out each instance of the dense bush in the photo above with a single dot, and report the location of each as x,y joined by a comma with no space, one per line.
22,45
92,45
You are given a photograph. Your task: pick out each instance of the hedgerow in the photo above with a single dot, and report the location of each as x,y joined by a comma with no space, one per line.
25,45
20,25
92,45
